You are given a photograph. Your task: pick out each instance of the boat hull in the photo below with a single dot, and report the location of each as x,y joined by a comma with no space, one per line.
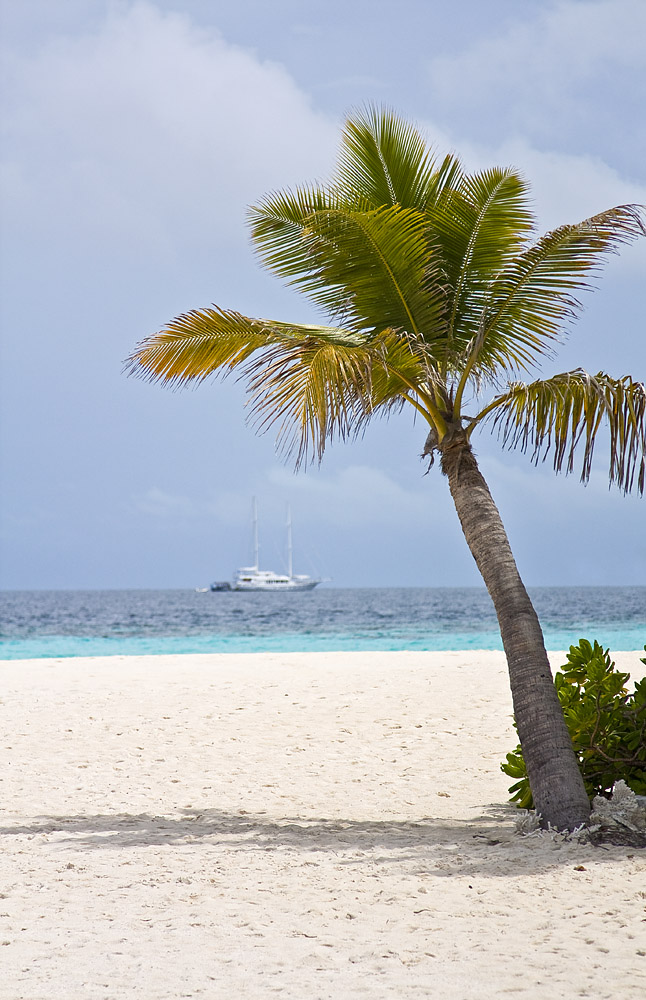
277,586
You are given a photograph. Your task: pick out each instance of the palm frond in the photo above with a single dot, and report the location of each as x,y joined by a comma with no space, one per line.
280,230
313,389
402,372
198,343
557,415
205,341
379,263
314,382
328,386
533,298
369,269
479,228
384,160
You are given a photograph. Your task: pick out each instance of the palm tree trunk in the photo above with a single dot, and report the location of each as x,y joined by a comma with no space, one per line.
554,776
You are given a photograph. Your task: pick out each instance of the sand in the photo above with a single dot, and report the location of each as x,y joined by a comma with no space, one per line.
301,826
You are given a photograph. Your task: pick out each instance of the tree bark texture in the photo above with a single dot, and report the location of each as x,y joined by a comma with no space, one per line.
554,776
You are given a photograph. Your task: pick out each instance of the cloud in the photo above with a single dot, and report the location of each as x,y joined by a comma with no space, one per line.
567,78
224,507
153,130
562,532
568,187
158,503
565,41
152,134
357,495
354,495
556,95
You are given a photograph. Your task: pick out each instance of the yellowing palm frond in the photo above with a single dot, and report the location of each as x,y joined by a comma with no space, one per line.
557,415
314,382
328,384
402,372
199,343
313,390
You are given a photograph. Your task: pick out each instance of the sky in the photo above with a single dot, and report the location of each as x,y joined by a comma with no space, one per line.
135,136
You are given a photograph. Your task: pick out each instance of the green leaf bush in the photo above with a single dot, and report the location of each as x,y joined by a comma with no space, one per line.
606,722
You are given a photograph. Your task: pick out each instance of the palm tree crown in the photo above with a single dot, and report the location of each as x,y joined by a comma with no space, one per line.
437,290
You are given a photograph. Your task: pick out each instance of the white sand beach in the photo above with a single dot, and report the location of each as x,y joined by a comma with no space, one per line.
303,826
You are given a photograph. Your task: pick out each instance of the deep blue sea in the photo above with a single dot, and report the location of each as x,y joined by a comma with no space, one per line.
109,622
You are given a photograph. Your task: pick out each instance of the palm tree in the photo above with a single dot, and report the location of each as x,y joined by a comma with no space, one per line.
440,300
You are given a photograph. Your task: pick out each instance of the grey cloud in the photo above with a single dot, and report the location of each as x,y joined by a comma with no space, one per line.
570,79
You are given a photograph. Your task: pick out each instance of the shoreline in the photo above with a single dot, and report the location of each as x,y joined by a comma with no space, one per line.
321,824
557,657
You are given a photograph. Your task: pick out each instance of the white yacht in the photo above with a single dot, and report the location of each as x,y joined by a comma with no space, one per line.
254,578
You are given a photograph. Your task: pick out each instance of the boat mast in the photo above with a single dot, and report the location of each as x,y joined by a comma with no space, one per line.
254,514
289,542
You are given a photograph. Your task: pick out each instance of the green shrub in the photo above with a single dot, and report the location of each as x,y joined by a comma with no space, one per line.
606,723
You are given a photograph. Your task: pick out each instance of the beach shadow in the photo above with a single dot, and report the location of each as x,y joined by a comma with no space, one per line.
486,844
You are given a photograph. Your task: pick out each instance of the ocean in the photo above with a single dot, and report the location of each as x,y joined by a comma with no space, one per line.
35,624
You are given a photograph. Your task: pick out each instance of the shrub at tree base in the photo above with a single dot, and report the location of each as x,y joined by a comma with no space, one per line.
606,723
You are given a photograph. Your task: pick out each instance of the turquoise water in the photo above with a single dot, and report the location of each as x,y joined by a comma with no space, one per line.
39,624
63,646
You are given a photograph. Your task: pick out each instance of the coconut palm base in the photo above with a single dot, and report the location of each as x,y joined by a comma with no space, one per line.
438,294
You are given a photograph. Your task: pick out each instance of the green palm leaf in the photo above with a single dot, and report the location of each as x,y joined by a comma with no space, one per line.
384,160
532,299
368,269
381,268
558,414
281,233
479,229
